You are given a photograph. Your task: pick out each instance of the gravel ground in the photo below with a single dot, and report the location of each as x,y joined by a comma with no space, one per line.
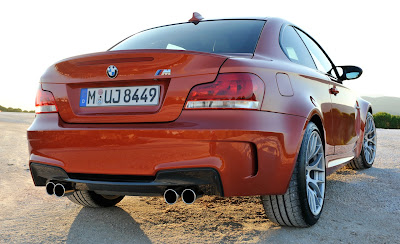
361,207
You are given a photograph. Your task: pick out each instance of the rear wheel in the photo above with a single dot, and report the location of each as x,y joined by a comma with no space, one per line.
368,151
94,200
302,203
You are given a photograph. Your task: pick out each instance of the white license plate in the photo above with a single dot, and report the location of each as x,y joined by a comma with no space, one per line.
120,96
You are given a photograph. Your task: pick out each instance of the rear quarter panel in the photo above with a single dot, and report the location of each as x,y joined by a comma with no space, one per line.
310,90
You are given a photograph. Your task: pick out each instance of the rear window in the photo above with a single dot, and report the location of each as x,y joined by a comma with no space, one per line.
219,36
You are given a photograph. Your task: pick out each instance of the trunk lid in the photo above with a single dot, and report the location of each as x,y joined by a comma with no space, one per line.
180,71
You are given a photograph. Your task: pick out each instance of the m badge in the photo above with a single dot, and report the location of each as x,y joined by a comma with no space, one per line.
163,72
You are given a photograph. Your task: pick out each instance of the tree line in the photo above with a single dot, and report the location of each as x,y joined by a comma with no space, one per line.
10,109
386,121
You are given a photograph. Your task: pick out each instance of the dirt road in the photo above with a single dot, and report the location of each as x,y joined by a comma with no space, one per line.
361,207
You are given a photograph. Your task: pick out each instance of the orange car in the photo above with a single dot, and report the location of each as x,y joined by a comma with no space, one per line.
227,107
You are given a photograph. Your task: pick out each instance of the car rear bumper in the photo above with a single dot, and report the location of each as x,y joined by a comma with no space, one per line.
252,152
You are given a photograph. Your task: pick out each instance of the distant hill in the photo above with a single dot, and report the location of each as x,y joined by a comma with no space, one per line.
389,105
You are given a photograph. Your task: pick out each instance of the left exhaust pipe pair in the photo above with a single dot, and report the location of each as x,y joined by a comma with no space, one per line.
58,189
188,195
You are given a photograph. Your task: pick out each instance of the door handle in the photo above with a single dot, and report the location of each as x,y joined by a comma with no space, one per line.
334,91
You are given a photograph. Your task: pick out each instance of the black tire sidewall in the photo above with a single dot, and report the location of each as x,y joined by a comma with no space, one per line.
308,216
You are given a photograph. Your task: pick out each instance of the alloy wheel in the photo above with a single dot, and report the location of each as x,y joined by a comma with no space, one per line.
315,173
369,144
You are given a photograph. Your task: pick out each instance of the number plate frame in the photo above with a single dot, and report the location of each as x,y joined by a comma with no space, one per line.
118,96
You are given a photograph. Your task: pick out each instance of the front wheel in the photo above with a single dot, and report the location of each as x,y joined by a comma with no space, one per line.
368,151
302,203
94,200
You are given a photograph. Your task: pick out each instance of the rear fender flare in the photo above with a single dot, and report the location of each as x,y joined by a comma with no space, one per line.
365,107
313,114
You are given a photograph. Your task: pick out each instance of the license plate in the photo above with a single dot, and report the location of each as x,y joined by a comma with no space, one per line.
120,96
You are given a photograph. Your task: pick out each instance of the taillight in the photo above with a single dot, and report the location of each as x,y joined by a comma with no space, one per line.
45,102
228,91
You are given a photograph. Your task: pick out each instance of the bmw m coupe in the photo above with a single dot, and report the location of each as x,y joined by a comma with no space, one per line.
226,107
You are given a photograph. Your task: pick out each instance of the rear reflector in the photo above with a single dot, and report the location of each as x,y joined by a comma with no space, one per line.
45,102
228,91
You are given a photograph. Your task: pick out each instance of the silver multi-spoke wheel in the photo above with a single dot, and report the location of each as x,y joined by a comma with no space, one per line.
369,144
315,173
368,152
302,203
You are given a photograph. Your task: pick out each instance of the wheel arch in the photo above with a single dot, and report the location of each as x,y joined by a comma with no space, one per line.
365,107
316,119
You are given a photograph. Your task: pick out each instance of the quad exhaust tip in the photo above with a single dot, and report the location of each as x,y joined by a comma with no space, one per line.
171,196
59,190
50,188
189,196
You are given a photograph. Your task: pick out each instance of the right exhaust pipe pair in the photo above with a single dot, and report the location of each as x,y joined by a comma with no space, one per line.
188,195
58,189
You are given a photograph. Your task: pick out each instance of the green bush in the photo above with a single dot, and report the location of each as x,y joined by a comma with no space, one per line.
386,121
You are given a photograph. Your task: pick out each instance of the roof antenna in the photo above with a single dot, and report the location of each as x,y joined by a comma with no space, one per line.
196,18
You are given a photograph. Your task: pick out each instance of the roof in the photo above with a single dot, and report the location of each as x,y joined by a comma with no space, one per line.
240,18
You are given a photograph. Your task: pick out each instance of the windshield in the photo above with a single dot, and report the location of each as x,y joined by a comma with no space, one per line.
218,36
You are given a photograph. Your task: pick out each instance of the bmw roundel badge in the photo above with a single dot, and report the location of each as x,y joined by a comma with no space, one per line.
112,71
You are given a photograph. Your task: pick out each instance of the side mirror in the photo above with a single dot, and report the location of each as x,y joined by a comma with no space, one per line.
349,72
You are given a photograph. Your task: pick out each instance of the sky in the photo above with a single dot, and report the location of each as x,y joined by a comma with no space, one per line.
36,34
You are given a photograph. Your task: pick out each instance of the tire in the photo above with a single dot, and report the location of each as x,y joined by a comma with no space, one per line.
94,200
368,151
302,204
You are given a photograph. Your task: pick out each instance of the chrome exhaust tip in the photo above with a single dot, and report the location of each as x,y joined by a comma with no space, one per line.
59,190
171,196
189,196
50,188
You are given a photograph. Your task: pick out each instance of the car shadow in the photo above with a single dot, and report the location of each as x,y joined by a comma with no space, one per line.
105,225
242,219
